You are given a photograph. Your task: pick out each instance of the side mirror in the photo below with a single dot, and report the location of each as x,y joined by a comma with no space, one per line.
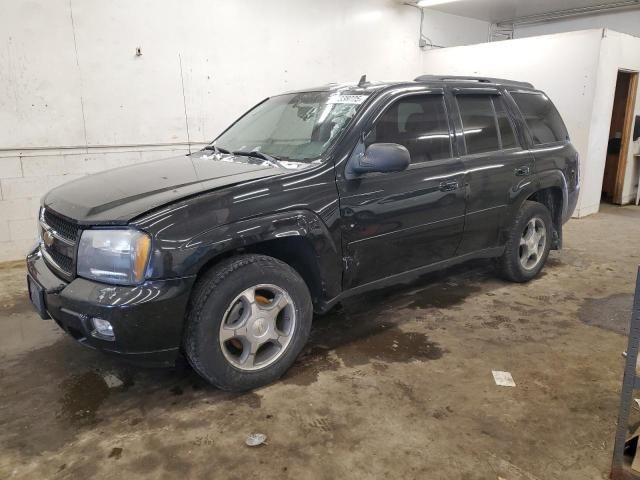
382,157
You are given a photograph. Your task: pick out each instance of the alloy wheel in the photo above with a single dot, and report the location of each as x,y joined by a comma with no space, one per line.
257,327
532,243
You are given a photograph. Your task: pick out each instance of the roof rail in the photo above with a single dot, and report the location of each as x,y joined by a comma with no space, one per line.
457,78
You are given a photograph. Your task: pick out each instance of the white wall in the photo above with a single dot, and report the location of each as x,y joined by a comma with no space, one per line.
565,66
578,71
619,51
74,98
451,30
626,21
632,173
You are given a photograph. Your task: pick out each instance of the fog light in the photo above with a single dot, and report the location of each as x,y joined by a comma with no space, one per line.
103,329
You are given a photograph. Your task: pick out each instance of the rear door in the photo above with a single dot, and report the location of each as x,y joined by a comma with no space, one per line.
497,167
395,222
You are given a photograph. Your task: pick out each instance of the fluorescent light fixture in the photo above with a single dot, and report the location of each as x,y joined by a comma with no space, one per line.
431,3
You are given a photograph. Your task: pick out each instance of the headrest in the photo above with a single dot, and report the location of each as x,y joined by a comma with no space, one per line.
416,122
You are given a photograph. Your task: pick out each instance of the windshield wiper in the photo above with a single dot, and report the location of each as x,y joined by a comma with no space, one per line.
263,156
246,153
215,149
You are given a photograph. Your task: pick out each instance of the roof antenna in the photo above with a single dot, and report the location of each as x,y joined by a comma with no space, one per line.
363,80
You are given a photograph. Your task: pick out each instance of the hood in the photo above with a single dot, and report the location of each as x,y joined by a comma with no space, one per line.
117,196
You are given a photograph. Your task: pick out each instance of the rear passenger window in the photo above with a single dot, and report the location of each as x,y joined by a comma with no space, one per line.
541,116
478,123
507,135
418,122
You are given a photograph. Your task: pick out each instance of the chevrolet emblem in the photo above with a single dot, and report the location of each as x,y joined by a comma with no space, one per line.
47,238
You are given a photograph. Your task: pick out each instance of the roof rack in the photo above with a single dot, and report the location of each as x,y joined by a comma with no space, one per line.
456,78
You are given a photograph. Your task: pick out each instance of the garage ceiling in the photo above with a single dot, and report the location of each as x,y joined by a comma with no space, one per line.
503,10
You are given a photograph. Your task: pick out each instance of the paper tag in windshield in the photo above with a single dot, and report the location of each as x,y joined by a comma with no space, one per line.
349,99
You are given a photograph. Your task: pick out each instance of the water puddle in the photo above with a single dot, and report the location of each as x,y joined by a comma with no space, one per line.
83,394
390,345
611,313
365,329
380,343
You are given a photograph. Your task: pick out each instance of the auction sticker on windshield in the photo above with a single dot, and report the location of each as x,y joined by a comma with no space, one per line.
351,99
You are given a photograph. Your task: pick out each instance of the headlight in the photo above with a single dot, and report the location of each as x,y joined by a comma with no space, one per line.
114,256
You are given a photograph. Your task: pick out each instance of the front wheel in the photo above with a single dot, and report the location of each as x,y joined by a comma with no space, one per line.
529,242
249,318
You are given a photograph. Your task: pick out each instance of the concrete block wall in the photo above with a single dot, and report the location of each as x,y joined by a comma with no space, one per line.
74,93
26,176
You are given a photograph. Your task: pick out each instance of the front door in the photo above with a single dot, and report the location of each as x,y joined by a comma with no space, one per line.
395,222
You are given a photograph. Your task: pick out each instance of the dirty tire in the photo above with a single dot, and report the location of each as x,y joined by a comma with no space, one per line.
213,296
509,265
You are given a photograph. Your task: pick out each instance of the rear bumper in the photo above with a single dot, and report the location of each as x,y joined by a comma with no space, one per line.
147,319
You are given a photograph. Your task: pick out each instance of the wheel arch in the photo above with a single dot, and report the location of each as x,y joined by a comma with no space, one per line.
298,238
552,198
549,189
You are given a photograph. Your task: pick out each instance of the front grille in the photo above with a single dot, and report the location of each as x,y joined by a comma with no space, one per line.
64,262
59,245
63,227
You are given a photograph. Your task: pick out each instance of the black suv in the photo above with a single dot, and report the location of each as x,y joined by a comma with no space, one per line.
310,197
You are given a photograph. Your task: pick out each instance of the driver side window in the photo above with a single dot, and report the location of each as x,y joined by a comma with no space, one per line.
418,122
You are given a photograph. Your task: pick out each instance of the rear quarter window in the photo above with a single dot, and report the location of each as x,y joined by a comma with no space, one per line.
541,116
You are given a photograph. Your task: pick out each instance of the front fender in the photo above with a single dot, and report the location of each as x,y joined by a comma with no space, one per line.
187,256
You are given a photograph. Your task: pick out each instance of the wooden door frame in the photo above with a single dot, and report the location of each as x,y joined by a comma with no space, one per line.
626,135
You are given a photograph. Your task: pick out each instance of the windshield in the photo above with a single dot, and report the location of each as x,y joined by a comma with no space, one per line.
297,127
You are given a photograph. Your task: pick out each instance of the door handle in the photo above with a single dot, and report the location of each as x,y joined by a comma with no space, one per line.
522,171
448,186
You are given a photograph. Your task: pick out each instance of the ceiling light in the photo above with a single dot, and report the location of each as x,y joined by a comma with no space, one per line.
431,3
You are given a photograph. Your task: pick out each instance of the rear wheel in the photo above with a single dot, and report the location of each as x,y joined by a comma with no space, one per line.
249,319
528,245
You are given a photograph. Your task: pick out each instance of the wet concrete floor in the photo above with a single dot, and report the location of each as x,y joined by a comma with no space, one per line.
394,384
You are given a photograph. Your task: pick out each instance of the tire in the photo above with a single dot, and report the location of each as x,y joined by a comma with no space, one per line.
225,327
512,265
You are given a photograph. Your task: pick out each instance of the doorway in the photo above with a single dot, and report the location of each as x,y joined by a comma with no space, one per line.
619,136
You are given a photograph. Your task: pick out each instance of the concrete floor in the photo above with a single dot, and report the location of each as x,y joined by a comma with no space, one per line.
397,384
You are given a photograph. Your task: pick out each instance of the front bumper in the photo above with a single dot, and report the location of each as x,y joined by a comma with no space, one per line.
147,319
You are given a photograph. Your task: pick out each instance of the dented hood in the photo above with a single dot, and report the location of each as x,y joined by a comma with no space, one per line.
117,196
